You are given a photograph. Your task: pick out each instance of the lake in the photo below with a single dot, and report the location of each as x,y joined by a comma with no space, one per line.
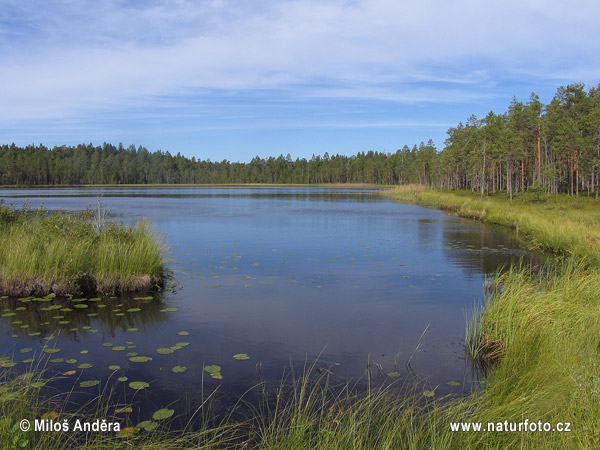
290,276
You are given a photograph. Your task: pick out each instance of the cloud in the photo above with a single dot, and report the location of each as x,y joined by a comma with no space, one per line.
65,57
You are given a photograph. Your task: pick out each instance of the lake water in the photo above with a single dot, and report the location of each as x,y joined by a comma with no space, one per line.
287,275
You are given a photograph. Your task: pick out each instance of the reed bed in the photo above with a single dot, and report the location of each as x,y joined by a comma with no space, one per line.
76,253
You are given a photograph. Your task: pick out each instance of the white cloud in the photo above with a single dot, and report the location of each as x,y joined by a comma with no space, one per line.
62,57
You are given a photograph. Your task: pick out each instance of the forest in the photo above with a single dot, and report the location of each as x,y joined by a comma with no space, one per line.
552,148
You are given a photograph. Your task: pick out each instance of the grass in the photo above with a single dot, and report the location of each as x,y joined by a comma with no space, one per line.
58,253
538,333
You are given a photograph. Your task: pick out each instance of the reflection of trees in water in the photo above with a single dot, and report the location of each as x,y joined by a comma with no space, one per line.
36,318
482,249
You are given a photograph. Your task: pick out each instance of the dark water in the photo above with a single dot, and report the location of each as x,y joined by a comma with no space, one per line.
287,275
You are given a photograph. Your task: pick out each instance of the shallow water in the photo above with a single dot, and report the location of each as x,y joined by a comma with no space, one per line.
287,275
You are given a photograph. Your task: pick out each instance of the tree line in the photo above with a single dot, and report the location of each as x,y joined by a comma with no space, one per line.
553,147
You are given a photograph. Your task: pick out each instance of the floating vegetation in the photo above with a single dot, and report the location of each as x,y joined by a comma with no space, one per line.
51,350
241,356
183,333
394,374
164,351
162,414
25,350
114,367
168,310
122,379
70,372
118,348
147,425
89,383
84,366
428,393
178,369
138,385
140,359
134,309
453,383
132,329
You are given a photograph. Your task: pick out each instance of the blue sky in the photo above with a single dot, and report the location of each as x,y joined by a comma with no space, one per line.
224,79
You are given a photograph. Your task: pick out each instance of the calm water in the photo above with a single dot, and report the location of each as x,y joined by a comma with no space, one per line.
283,274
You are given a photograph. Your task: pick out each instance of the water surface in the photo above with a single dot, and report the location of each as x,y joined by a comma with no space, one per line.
284,274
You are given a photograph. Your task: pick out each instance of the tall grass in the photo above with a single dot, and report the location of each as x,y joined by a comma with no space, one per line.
43,253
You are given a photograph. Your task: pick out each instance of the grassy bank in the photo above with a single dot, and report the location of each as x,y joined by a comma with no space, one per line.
539,333
80,253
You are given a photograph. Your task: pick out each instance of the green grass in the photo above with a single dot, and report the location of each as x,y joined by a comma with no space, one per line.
61,253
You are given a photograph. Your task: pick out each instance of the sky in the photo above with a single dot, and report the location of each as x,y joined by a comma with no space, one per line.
221,79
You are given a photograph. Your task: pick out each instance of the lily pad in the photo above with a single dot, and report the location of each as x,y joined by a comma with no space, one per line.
51,350
212,369
241,356
453,383
164,351
178,369
114,367
84,366
183,333
428,393
70,372
148,425
127,432
25,350
140,359
89,383
118,348
122,379
162,414
138,385
134,309
394,374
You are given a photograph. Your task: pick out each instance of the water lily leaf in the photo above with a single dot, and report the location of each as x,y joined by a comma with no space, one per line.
25,350
84,352
80,305
51,350
10,364
183,333
168,310
453,383
132,329
212,369
27,361
118,349
84,366
140,359
428,393
127,432
107,344
138,385
57,360
241,356
147,425
216,375
70,372
394,374
162,414
89,383
114,367
164,351
178,369
134,309
122,379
